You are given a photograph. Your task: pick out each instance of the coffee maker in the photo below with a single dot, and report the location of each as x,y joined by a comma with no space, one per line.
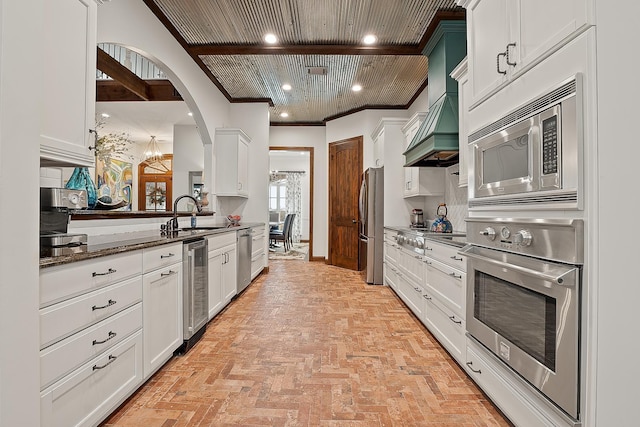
417,219
56,205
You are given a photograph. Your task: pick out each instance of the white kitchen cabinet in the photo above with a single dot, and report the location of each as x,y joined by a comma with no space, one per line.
420,181
232,162
91,319
378,149
505,38
69,89
258,255
460,73
385,136
509,392
222,271
162,305
445,291
90,393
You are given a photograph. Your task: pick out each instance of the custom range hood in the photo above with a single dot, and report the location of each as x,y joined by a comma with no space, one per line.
436,142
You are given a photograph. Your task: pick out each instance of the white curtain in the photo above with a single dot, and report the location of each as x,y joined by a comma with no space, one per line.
294,203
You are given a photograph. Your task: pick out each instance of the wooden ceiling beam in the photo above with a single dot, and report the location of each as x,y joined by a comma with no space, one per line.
298,49
159,90
122,74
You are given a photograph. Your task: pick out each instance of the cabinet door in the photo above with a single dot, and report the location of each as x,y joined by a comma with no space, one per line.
68,98
489,34
378,150
229,273
215,282
545,24
162,315
243,167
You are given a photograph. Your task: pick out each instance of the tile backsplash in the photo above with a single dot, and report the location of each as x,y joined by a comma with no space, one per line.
455,198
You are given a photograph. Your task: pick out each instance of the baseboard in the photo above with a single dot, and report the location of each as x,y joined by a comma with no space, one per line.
317,259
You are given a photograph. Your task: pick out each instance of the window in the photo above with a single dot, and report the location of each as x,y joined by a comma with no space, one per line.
278,196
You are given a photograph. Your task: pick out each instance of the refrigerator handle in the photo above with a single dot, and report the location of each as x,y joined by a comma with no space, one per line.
362,207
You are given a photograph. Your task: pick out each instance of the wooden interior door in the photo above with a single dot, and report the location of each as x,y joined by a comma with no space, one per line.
155,185
345,172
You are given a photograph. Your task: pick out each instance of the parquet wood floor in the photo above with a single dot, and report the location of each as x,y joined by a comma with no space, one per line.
311,345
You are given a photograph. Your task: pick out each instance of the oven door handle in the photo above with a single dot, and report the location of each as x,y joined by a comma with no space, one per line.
558,279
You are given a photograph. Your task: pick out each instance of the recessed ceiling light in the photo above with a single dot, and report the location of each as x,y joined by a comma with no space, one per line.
286,86
105,115
270,38
369,39
356,88
284,114
190,114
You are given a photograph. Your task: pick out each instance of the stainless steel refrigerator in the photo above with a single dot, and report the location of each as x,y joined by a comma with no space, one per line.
371,208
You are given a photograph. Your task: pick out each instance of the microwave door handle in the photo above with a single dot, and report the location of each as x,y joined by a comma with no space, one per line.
557,279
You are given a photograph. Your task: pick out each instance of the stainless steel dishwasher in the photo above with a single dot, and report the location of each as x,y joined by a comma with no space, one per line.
195,291
244,259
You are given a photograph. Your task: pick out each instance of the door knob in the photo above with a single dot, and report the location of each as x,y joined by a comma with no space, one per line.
354,221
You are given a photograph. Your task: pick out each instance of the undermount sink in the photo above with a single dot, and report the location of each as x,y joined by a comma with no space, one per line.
214,227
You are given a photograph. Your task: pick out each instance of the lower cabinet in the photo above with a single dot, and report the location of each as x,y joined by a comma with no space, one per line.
96,388
446,326
222,271
162,315
258,255
509,392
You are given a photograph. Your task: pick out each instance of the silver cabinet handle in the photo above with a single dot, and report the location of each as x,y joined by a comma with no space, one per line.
427,297
470,365
508,50
112,359
111,335
503,54
418,257
455,276
427,248
109,304
167,256
109,271
455,258
418,290
453,319
171,272
428,262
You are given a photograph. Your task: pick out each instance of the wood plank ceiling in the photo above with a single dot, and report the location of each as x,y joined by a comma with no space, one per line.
225,38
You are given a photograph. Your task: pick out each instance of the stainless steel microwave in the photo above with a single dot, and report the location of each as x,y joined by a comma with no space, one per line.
532,156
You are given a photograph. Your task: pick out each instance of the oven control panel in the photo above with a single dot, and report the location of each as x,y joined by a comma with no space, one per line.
553,239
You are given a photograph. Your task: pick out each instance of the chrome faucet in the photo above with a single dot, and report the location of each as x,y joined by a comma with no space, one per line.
172,224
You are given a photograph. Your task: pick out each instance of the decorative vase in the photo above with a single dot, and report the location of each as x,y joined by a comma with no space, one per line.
203,200
81,180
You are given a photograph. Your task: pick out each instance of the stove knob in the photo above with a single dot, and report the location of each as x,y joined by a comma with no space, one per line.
489,232
412,242
400,239
420,244
523,238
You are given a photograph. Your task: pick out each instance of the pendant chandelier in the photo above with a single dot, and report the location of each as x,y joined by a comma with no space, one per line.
152,153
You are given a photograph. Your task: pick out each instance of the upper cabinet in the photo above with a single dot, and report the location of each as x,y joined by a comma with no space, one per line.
507,37
462,77
420,181
231,148
69,91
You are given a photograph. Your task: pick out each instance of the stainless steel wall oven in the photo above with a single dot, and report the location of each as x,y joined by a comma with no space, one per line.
523,300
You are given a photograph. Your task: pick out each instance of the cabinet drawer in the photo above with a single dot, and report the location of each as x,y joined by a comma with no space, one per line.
61,320
161,256
448,285
258,231
221,240
445,254
67,281
61,358
447,327
88,394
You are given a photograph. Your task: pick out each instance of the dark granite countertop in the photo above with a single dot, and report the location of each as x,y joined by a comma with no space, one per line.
457,239
109,244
